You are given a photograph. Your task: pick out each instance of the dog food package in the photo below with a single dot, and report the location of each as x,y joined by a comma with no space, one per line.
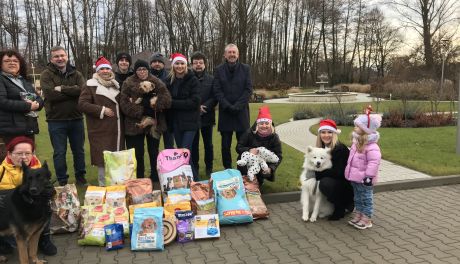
139,191
93,233
206,226
144,205
121,216
147,233
115,196
114,238
203,201
258,207
95,195
120,166
174,170
176,200
66,210
156,197
184,225
232,206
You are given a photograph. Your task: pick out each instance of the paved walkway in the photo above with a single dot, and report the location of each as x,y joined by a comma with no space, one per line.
412,226
297,135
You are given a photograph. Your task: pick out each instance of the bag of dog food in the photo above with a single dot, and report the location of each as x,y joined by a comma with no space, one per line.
66,210
176,200
114,238
232,206
120,166
184,226
144,205
93,226
115,196
139,191
156,197
203,201
206,226
120,216
147,233
258,207
95,195
174,170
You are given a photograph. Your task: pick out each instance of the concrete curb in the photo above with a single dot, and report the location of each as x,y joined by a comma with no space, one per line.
285,197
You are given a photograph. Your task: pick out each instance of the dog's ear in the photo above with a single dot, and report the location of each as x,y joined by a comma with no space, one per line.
328,150
45,165
309,149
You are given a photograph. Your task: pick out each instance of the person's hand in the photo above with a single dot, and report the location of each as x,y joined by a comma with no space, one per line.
267,171
33,104
58,88
108,112
130,99
254,151
367,181
203,109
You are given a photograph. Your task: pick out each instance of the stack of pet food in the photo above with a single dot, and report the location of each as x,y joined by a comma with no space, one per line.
66,210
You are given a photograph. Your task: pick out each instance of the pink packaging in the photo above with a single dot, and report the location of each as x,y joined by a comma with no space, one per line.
171,159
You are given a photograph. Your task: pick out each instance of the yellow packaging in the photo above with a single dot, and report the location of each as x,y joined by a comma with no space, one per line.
144,205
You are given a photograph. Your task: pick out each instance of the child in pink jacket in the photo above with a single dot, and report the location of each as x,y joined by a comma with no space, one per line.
362,166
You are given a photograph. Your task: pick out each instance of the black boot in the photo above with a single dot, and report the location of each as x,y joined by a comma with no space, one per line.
339,213
46,246
5,247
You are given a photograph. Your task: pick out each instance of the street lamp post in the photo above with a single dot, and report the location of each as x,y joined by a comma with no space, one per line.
458,117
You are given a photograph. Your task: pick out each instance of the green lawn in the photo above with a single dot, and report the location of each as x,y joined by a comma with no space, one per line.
431,150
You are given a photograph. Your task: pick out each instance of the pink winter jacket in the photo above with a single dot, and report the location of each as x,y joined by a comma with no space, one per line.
363,164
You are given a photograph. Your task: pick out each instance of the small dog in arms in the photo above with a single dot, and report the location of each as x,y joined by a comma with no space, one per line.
314,203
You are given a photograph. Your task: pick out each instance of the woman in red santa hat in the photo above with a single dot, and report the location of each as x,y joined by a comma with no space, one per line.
99,100
183,118
332,181
261,134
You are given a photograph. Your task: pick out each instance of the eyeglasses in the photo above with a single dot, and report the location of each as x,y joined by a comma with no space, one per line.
22,154
11,61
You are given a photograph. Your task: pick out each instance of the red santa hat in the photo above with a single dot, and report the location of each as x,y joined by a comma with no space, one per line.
264,115
328,124
178,57
102,62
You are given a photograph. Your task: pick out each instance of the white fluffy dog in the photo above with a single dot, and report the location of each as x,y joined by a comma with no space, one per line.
316,159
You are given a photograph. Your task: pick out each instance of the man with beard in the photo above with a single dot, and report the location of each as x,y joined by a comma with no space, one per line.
233,88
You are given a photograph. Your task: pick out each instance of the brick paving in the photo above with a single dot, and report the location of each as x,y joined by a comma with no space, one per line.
410,226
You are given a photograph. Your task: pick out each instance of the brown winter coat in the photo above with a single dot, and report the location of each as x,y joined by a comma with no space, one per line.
134,112
104,133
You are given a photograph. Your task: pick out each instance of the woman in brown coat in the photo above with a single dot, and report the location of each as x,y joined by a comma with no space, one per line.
99,100
135,111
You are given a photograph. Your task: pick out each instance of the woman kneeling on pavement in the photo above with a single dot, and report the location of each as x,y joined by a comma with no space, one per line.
261,134
21,149
332,181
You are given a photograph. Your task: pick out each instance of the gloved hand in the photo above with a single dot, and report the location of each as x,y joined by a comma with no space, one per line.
367,181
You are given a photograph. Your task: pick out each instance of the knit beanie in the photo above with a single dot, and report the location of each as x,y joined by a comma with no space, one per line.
328,124
141,63
157,57
122,55
18,140
368,122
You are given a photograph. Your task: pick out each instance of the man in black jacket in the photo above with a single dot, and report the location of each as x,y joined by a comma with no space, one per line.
61,84
232,87
208,116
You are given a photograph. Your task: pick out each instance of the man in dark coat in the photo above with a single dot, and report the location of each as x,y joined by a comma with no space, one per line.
207,112
233,88
62,84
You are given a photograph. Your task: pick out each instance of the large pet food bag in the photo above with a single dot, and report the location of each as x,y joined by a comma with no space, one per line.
120,166
174,170
176,200
206,226
147,231
258,207
203,201
139,191
114,238
144,205
95,195
115,196
66,210
232,206
120,216
93,230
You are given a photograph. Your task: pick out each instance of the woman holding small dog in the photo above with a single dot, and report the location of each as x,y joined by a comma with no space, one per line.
261,134
135,112
363,165
99,100
332,182
184,116
21,149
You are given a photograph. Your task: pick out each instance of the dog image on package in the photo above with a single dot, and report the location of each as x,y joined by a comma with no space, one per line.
147,231
174,170
95,195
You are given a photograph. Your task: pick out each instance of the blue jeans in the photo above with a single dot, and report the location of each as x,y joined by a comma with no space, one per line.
184,139
206,133
364,196
60,131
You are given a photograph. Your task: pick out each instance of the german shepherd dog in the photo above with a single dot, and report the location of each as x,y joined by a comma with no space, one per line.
25,211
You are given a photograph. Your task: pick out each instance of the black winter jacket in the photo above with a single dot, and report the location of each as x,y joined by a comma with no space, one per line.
251,140
121,77
339,162
207,99
185,106
13,109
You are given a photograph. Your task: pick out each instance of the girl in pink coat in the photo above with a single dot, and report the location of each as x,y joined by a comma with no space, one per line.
362,166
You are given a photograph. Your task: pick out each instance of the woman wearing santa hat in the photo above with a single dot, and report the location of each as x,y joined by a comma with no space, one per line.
99,100
183,117
332,181
261,134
